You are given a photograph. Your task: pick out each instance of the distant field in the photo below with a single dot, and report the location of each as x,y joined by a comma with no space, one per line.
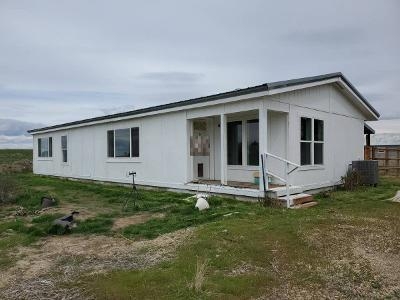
8,156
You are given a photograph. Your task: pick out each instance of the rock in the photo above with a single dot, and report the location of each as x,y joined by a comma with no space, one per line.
202,204
47,202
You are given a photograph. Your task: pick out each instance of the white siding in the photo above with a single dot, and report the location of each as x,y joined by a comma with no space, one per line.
164,147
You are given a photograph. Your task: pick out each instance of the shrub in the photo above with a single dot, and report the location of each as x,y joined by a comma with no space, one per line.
350,180
8,189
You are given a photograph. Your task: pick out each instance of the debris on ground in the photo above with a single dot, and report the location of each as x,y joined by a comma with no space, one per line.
47,202
230,214
21,212
66,222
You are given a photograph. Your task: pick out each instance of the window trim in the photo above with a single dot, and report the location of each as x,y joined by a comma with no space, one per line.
312,142
130,158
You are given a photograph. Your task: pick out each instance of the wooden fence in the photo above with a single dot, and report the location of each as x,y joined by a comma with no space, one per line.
388,158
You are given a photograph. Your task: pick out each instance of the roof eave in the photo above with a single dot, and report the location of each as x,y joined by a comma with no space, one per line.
267,87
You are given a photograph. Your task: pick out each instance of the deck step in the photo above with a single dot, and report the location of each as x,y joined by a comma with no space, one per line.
298,199
304,205
281,191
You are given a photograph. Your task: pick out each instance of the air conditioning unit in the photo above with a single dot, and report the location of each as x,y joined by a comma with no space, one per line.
368,170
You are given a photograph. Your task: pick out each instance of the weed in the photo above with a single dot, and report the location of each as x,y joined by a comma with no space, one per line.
199,278
8,189
351,180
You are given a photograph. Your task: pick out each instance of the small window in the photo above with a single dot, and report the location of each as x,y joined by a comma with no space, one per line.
312,142
234,143
252,143
123,142
64,148
45,147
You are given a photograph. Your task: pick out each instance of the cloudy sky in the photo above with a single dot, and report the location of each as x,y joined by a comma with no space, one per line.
66,60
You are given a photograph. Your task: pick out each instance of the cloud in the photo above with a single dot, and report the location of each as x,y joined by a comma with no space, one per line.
13,128
117,109
144,53
15,142
335,37
386,126
172,77
13,134
385,139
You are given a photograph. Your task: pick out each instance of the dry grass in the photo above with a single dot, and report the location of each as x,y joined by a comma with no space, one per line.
200,274
43,270
123,222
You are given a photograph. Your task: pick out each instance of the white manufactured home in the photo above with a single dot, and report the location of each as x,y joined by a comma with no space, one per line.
302,133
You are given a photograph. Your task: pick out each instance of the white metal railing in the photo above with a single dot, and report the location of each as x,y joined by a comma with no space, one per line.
288,171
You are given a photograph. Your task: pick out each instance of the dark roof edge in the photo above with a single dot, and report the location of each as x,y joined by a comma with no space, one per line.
368,129
238,92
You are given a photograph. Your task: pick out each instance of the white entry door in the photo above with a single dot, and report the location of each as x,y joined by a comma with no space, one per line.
203,165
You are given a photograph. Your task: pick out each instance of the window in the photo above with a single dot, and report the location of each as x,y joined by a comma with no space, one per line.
123,142
318,142
45,147
312,141
252,143
135,141
234,143
64,146
110,143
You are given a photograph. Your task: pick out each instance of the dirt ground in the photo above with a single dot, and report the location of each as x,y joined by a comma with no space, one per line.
370,253
24,165
43,270
120,223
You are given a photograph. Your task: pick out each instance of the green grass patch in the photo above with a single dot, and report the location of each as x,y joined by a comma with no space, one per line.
264,251
99,225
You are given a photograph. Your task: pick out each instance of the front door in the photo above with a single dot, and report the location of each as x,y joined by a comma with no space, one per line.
201,143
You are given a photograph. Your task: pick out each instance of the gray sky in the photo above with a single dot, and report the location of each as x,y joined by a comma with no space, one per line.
67,60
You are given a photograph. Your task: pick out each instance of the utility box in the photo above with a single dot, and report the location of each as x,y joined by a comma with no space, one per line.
368,170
